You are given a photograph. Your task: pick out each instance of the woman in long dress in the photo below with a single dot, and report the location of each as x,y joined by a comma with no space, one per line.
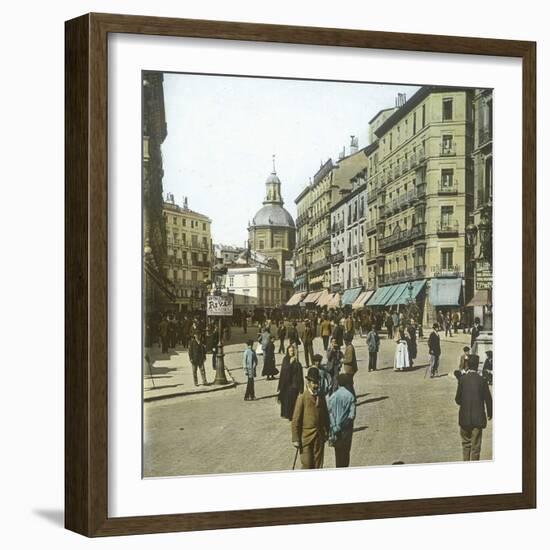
269,370
291,382
401,360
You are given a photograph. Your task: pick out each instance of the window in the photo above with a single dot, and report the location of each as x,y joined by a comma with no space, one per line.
423,115
204,227
446,215
194,276
446,258
261,245
446,144
175,221
183,222
414,123
447,177
447,108
194,258
194,241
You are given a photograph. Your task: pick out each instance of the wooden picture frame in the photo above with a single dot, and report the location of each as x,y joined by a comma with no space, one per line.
86,279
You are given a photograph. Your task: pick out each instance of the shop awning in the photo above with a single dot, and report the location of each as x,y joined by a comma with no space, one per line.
446,292
312,297
481,298
362,299
324,298
334,301
401,295
296,298
350,295
380,296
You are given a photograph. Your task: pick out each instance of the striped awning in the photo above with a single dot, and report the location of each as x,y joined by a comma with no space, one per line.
296,298
350,295
312,297
380,296
334,301
446,292
324,298
403,294
362,299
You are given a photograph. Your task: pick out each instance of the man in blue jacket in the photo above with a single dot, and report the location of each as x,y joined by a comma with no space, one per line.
250,362
341,410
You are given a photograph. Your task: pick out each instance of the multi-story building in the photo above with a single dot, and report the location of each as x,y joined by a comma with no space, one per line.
254,282
479,230
348,217
226,254
189,254
157,291
313,258
422,178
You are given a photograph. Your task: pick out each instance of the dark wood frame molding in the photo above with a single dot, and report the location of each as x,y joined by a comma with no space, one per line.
86,273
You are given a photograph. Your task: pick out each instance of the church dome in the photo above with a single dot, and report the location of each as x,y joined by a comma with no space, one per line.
273,215
273,178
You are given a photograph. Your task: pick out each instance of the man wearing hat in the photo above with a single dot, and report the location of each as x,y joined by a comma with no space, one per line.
473,396
310,423
307,339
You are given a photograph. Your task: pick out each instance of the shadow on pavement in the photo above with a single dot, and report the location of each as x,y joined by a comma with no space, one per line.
373,400
360,429
163,387
160,370
267,397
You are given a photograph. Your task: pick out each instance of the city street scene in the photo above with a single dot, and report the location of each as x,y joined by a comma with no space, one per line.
317,274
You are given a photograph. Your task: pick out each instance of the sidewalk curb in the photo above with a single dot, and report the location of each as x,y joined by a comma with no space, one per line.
209,389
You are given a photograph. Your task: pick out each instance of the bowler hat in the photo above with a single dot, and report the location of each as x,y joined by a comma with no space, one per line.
313,374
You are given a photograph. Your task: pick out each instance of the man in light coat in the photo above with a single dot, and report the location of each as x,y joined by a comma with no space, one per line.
250,362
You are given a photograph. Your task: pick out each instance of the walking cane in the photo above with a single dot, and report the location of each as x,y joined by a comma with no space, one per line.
295,458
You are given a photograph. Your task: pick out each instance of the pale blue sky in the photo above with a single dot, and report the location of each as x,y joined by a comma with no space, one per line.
223,131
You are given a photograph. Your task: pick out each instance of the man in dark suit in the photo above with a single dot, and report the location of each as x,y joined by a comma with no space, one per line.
476,329
473,396
434,350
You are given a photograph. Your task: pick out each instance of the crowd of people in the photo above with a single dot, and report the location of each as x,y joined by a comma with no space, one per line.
321,405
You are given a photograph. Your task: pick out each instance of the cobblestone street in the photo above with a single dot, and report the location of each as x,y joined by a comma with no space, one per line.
400,416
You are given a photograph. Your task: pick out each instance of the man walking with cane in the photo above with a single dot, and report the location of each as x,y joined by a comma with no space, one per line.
310,423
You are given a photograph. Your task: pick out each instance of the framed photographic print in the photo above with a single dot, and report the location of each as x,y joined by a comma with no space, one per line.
293,256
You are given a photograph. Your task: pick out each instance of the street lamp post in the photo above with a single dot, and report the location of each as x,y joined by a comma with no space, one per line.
221,379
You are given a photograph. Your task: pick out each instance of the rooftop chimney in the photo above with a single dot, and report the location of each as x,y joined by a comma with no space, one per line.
400,100
185,203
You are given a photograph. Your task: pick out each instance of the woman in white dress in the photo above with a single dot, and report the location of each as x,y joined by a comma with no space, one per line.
401,360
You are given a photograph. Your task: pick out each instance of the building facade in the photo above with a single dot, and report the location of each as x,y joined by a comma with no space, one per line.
313,258
189,254
253,286
158,292
348,218
421,175
480,232
226,254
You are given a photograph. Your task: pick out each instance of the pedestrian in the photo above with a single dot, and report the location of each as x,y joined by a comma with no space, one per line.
334,362
395,320
281,335
487,372
163,334
270,370
245,323
463,361
413,347
291,382
434,350
389,326
293,338
476,407
476,329
325,378
197,356
349,326
401,359
172,331
310,423
211,343
456,319
349,361
338,333
341,410
373,345
448,325
326,330
250,362
307,340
